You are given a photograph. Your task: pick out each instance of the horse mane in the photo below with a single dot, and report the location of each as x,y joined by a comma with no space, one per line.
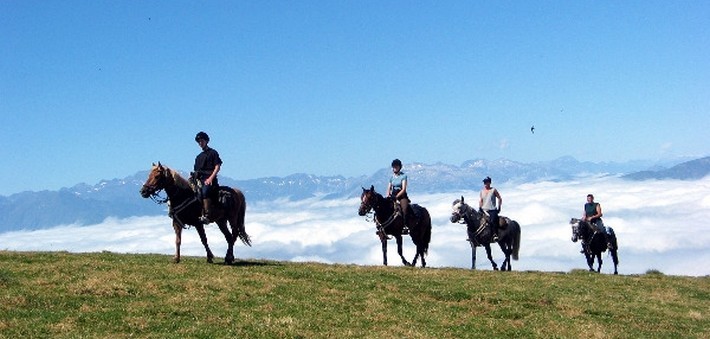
178,179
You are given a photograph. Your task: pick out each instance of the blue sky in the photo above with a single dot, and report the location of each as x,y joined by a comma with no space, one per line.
93,90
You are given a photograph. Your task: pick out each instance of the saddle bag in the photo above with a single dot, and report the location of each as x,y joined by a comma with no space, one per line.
224,198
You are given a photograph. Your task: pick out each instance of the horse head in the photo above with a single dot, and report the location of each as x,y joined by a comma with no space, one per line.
367,200
462,211
574,222
157,180
459,208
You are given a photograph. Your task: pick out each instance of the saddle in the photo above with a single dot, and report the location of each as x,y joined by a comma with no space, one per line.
416,210
503,222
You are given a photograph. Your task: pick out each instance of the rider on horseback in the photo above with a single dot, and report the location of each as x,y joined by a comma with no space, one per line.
397,191
593,215
207,165
491,202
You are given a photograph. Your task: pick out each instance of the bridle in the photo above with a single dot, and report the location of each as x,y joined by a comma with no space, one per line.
365,205
469,215
156,188
576,223
159,186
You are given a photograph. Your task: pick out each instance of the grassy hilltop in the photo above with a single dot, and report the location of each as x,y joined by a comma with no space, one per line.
102,295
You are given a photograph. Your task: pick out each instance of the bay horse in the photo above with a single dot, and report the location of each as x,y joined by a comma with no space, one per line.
593,243
186,209
481,234
389,221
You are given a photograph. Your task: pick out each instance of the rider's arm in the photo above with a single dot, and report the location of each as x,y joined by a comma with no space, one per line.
209,179
599,211
500,200
404,189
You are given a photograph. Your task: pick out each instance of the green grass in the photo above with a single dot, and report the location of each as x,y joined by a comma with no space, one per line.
99,295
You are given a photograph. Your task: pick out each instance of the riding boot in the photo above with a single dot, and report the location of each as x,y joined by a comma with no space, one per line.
206,204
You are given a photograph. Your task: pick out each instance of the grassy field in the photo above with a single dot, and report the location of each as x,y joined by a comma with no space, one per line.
100,295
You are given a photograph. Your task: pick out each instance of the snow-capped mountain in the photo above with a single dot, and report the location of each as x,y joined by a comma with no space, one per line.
89,204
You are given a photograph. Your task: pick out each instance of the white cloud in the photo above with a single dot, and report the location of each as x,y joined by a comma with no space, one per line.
660,225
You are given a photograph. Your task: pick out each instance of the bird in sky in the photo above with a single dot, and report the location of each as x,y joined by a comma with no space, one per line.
532,129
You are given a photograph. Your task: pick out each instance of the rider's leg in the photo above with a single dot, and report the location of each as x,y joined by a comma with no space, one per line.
404,205
494,220
206,203
602,229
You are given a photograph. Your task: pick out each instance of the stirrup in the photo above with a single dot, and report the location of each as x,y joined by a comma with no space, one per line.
204,219
405,229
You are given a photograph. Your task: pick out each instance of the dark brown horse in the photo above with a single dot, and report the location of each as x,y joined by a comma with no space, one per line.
185,209
594,243
480,234
389,221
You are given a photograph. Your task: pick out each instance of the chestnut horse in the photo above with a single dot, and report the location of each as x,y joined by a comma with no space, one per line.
480,234
389,221
185,209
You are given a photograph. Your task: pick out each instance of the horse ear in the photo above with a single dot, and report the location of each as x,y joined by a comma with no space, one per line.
159,165
372,188
462,199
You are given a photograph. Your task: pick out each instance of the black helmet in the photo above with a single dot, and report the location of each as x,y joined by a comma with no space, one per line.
487,179
396,162
203,136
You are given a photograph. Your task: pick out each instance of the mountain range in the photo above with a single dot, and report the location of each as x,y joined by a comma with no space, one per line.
85,204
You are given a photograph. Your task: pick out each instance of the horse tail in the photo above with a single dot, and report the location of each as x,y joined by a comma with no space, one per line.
516,240
240,205
427,230
615,245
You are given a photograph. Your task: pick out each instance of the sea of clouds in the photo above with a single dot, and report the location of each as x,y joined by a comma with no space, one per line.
660,225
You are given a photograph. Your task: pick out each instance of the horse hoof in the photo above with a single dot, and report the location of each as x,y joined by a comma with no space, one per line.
176,260
209,260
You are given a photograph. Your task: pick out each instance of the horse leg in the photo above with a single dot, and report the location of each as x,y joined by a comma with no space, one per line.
590,261
203,239
178,240
490,256
399,250
615,259
229,256
383,240
599,260
506,253
473,255
420,254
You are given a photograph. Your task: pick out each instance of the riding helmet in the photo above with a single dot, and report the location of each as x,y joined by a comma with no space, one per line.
487,179
396,162
203,136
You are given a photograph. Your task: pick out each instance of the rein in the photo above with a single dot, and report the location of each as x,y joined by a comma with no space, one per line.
172,212
381,226
469,216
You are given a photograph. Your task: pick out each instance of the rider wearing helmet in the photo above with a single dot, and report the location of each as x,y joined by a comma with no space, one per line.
207,165
397,190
